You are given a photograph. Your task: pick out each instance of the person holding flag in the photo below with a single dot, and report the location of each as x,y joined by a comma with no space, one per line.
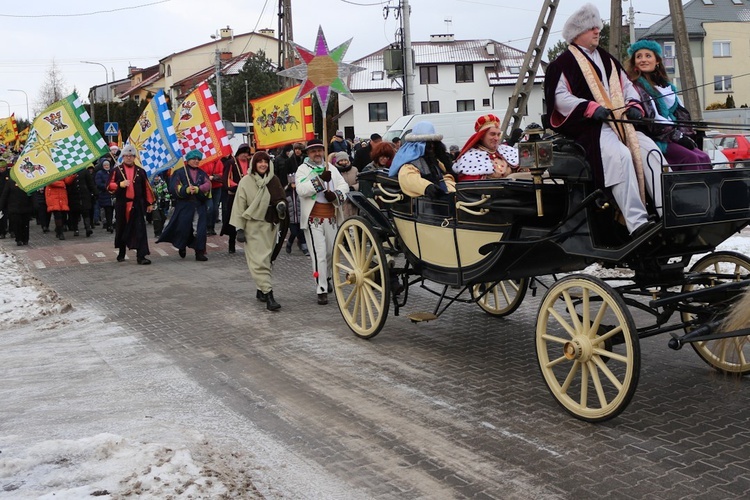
133,200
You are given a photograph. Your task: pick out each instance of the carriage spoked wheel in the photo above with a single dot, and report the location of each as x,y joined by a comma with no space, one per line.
361,280
502,299
587,348
730,355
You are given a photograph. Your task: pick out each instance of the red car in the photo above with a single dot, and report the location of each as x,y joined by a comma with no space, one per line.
736,147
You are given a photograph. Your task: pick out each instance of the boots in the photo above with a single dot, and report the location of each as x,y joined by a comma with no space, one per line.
59,232
87,226
201,256
232,248
121,255
271,304
261,296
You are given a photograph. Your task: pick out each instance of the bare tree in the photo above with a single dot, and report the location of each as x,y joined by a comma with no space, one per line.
53,89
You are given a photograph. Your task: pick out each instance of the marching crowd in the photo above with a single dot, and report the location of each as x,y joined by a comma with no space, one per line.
591,98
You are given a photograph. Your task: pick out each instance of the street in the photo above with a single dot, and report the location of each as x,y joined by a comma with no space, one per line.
454,408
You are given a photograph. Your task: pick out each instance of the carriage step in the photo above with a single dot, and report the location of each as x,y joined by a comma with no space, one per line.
418,317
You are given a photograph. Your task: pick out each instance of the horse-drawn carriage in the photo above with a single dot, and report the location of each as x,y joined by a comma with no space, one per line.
488,242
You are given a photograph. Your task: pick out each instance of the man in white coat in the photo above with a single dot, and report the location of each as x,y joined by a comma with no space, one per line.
322,192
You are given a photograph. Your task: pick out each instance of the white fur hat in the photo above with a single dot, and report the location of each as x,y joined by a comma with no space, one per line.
582,20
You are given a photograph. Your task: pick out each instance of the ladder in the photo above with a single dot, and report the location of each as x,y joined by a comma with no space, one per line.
527,74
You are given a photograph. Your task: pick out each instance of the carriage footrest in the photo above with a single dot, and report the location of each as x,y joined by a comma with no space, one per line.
418,317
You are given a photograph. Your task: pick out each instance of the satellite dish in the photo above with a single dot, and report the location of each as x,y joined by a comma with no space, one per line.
229,127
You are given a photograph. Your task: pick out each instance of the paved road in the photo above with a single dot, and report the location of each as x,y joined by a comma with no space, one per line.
454,408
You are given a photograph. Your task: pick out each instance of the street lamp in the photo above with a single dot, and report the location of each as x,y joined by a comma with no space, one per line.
6,102
217,37
28,116
106,77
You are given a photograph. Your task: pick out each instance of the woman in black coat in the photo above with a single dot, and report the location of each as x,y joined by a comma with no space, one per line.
19,208
80,193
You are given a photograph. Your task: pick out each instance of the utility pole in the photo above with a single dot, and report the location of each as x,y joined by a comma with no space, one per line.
218,76
631,22
286,38
408,58
685,60
615,28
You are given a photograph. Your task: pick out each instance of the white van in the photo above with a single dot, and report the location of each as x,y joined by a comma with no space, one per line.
455,127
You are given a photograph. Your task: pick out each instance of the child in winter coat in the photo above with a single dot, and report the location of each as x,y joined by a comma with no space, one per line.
292,201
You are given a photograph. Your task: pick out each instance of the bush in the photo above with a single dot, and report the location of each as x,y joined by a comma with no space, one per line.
715,105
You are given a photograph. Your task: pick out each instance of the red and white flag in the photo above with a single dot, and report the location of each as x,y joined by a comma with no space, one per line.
198,126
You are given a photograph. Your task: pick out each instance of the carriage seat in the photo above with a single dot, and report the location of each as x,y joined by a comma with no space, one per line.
569,163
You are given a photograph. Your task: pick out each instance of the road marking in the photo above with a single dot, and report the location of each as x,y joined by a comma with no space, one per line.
161,252
59,259
39,264
212,245
99,254
81,258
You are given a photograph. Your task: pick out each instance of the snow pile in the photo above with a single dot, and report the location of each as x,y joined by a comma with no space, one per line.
23,298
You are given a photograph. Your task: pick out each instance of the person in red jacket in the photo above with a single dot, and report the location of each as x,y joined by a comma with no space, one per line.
214,170
56,196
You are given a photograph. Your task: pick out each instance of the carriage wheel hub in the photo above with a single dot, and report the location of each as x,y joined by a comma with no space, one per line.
355,277
578,348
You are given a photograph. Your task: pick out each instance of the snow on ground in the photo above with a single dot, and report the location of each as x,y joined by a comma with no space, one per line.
90,410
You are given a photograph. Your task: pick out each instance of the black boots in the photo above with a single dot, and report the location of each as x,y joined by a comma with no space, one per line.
271,303
121,255
59,232
87,226
201,256
232,248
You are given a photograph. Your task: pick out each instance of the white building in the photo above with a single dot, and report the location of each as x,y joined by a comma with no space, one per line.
451,75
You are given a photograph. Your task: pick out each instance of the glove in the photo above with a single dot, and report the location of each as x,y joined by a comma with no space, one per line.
329,195
325,175
686,142
281,210
241,236
600,114
432,191
633,113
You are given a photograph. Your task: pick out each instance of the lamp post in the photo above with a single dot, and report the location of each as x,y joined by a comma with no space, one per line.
8,104
217,37
106,77
28,116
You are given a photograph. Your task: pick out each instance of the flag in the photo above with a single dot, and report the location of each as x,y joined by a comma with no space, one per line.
8,130
23,135
154,137
119,135
198,126
277,120
62,141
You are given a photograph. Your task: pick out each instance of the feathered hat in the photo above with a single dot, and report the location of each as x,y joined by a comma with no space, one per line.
582,20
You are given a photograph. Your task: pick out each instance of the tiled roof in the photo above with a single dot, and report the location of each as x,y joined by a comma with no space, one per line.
502,63
698,12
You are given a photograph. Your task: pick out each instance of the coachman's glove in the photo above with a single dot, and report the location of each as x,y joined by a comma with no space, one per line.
633,113
241,236
600,114
432,191
325,175
329,195
281,210
686,142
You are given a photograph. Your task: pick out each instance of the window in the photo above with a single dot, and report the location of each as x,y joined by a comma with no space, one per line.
378,111
669,56
428,74
708,2
514,70
722,49
169,70
723,83
486,103
467,105
737,2
430,107
377,75
464,73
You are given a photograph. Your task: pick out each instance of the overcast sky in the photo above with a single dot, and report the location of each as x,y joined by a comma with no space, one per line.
140,32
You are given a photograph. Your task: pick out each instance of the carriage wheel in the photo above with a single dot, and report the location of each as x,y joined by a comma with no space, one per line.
726,355
360,277
503,298
587,348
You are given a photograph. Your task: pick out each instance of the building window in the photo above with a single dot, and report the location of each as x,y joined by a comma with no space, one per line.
378,111
486,103
377,75
467,105
723,83
428,75
430,107
464,73
722,49
669,56
514,70
169,70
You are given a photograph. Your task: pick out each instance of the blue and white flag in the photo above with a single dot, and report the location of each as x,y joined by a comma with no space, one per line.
154,137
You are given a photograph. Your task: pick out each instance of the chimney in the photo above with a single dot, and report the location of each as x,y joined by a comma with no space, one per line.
490,48
226,32
442,38
268,32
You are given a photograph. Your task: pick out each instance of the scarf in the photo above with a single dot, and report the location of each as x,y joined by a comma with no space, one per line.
657,97
616,102
257,208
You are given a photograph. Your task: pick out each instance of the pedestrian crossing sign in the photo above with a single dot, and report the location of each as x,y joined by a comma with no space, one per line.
111,128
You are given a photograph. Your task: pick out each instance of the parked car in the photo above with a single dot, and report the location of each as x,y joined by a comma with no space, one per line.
736,147
718,159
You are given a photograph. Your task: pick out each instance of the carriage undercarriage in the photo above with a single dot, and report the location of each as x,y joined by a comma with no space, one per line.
588,328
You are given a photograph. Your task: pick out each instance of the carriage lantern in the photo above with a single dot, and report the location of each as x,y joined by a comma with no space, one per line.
535,154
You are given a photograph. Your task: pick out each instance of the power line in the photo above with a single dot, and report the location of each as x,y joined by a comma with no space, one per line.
84,14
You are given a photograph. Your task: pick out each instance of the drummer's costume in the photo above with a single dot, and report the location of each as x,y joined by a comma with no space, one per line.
413,170
574,89
476,161
320,218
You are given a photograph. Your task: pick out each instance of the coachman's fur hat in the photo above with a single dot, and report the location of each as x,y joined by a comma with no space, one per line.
581,21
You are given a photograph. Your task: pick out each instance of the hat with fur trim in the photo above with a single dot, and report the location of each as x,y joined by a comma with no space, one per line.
651,45
423,132
582,20
129,149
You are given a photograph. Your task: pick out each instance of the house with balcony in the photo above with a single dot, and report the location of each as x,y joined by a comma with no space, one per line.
718,32
451,75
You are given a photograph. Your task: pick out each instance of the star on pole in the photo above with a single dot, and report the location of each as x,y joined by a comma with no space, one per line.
322,70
